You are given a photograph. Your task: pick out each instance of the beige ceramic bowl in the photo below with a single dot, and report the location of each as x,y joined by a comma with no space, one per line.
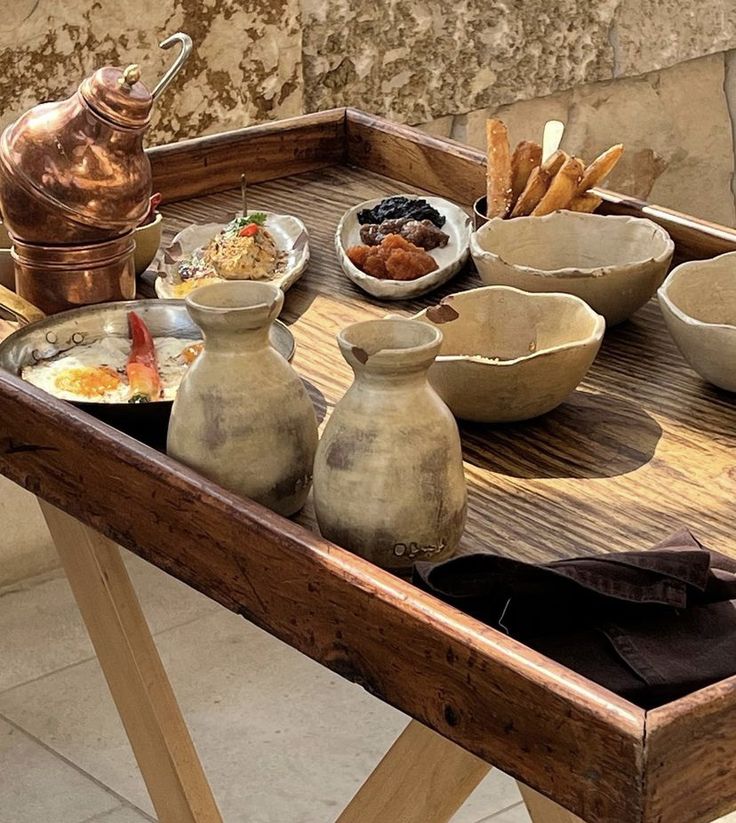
511,355
147,241
615,264
698,301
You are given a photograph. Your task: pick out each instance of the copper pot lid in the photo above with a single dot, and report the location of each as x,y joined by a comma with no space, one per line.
119,96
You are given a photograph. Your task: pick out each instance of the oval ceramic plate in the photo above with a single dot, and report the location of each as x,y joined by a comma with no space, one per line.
450,259
288,231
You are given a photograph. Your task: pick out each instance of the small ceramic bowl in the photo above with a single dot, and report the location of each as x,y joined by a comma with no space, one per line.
450,259
147,241
698,301
613,263
290,236
511,355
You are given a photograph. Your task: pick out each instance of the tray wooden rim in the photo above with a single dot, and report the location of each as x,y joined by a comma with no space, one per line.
604,756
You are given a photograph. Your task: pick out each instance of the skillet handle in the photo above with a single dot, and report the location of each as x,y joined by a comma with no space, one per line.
25,312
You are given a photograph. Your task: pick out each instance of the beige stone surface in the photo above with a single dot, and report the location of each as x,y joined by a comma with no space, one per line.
675,124
25,545
281,738
36,786
407,59
246,65
119,815
415,61
677,130
41,630
652,34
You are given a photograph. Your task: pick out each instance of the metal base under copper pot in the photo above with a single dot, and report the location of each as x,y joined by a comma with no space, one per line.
56,278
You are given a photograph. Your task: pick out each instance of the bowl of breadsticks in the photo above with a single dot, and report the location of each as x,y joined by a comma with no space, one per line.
534,180
540,234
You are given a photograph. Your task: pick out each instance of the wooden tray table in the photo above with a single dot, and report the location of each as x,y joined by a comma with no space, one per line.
642,447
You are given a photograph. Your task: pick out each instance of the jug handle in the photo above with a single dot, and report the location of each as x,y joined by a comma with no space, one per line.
25,312
186,49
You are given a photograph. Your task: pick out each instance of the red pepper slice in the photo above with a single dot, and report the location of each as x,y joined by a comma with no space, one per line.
142,371
249,230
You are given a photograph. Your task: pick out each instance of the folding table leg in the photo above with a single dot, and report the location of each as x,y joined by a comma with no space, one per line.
423,778
543,810
135,674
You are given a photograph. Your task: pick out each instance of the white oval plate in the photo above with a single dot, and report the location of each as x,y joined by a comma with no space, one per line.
288,231
450,259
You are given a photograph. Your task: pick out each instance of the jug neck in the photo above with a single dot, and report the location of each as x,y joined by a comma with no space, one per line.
235,316
391,352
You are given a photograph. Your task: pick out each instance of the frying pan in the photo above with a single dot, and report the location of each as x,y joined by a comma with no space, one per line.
41,337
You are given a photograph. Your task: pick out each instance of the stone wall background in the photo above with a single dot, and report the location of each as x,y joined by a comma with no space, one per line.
656,74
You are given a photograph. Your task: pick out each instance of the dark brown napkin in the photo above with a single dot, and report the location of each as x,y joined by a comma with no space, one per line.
651,626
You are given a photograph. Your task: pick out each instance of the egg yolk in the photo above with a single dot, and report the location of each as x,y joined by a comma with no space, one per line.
88,382
189,354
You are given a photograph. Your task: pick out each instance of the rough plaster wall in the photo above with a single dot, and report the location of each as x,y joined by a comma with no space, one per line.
246,65
413,60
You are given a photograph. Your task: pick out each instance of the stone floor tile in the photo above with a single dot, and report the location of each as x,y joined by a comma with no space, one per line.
25,544
37,786
123,814
281,738
497,791
41,630
515,814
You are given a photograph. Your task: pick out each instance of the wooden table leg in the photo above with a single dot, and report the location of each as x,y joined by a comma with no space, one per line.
423,778
135,674
543,810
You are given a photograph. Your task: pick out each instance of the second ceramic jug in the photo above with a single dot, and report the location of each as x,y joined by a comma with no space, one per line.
388,476
242,416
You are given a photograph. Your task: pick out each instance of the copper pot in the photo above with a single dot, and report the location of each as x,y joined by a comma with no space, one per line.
75,171
56,278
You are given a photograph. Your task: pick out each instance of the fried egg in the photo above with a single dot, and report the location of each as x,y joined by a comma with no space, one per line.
95,372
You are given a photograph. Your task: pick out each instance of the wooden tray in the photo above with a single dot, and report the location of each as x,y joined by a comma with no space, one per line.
643,447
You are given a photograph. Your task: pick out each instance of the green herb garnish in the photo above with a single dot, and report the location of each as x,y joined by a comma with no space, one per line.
257,217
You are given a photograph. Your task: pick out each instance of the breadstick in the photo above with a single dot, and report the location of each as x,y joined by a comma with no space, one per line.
562,188
555,162
527,156
498,169
534,191
600,168
585,202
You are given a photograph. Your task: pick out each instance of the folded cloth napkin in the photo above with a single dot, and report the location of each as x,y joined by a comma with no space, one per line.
651,626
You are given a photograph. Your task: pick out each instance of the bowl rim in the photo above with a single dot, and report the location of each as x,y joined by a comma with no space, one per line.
572,271
157,218
680,314
359,277
595,336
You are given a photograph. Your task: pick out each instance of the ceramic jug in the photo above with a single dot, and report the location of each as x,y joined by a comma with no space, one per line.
242,416
388,476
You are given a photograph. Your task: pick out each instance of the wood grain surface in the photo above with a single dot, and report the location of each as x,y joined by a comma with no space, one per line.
641,448
690,757
261,152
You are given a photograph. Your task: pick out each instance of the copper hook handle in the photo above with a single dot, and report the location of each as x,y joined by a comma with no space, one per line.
186,49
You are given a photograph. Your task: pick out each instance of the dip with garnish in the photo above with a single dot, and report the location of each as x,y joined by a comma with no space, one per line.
243,250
